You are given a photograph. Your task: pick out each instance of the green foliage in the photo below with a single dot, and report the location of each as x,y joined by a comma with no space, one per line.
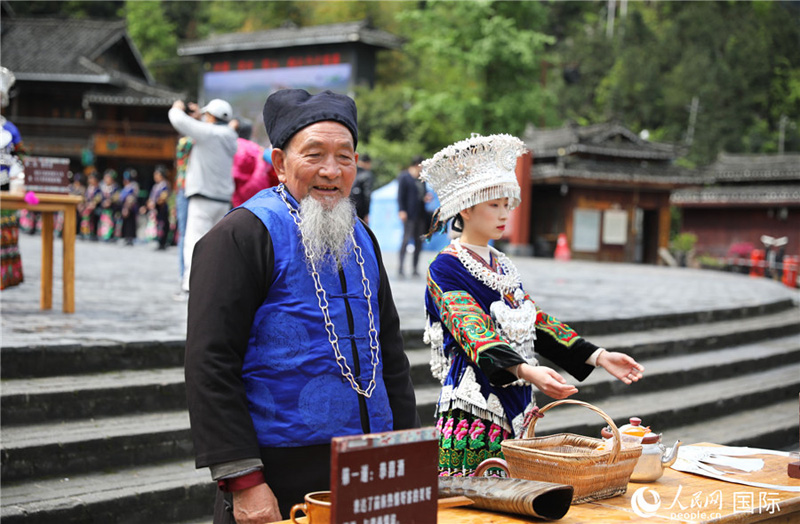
483,66
153,33
740,59
72,8
684,242
477,68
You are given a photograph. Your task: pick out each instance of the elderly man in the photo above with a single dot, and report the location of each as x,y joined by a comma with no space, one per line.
293,335
209,183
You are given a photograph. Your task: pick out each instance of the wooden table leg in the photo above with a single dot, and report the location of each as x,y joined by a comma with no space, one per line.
46,300
68,237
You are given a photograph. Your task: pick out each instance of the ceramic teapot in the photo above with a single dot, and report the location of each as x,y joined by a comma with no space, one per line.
655,456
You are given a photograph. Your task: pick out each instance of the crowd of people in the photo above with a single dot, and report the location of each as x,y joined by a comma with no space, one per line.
217,167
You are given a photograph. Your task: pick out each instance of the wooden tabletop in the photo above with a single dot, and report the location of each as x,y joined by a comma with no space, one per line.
17,201
682,497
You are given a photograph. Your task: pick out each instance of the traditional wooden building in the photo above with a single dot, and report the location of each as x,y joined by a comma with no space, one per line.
603,187
84,93
244,68
743,197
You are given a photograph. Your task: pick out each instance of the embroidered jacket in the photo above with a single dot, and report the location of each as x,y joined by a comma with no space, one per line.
461,329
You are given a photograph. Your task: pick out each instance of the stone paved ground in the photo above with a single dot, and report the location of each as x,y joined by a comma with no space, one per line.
125,294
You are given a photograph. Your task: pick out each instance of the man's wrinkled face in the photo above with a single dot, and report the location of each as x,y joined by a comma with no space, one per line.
319,161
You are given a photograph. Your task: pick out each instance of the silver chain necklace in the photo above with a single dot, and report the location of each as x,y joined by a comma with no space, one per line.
323,306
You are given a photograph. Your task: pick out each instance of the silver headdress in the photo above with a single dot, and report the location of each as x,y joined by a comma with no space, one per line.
7,80
474,170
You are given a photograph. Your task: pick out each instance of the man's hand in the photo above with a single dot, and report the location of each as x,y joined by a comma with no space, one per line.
178,104
403,216
256,505
546,380
621,366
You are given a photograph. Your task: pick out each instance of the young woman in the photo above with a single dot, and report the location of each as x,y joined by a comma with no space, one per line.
107,208
482,326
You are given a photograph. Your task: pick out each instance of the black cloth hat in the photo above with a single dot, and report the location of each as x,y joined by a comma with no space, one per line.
289,110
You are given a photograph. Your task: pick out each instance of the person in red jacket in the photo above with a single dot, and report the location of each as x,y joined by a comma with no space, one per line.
251,173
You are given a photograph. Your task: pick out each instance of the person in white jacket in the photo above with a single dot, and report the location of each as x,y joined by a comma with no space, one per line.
209,184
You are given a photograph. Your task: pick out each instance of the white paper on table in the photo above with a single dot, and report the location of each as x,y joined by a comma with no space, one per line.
719,457
696,459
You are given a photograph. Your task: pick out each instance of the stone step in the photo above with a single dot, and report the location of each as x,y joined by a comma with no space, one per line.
771,427
691,339
46,361
150,493
671,372
671,407
666,372
611,326
77,359
70,448
656,343
78,445
687,406
27,401
71,397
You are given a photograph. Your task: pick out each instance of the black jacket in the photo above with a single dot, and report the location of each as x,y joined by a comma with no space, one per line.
231,273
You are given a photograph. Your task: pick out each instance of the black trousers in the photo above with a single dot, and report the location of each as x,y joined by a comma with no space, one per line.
413,229
290,473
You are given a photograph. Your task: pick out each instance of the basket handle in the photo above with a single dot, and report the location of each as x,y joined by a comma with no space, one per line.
530,432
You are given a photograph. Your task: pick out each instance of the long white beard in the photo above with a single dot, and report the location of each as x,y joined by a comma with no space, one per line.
326,232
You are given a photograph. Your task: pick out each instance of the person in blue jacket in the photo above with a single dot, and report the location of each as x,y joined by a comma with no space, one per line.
293,337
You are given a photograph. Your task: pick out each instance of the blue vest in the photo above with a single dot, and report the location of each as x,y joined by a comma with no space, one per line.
296,393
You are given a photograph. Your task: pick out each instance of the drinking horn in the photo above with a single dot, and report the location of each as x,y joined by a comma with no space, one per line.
518,496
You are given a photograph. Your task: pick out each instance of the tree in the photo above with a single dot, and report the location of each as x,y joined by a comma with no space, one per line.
70,9
740,60
478,68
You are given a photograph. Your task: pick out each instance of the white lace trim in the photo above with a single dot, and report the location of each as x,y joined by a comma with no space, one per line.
467,397
434,336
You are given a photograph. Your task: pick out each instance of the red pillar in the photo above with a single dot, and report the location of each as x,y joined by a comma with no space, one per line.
519,232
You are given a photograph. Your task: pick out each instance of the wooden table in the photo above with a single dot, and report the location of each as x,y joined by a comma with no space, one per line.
50,204
683,498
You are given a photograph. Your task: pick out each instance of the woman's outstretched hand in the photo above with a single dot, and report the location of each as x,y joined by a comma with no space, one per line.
546,380
620,366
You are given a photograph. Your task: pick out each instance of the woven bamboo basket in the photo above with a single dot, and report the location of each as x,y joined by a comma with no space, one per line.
565,458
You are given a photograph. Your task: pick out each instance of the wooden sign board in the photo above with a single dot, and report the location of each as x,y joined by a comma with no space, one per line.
46,174
385,478
131,146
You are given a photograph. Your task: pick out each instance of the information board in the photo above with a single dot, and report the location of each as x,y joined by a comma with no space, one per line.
46,174
586,235
385,478
615,226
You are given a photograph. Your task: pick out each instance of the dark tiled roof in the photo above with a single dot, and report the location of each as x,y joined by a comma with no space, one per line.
608,139
626,173
292,37
130,91
66,50
754,168
50,49
737,195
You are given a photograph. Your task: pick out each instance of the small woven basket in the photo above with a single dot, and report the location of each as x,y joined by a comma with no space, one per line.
565,458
